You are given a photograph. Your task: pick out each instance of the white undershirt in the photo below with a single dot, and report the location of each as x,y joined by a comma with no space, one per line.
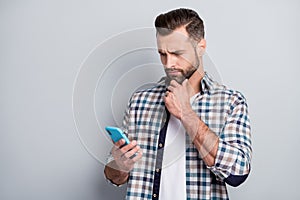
173,179
173,176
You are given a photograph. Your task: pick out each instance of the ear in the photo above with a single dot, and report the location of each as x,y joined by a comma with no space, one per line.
201,47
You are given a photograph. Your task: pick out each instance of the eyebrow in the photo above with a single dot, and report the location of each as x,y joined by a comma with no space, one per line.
175,51
178,51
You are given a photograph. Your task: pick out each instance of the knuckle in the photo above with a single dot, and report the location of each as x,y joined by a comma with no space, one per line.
126,155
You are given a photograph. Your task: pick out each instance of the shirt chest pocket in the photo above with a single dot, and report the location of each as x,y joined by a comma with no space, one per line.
149,121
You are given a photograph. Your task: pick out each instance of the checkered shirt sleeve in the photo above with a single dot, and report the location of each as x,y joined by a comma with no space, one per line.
234,150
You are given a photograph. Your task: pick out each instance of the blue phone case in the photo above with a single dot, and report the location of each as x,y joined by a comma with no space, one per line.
116,134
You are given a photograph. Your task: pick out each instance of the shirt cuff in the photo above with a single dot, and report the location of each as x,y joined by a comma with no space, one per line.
225,159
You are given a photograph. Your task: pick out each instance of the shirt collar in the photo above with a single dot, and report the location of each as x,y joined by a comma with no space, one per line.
207,83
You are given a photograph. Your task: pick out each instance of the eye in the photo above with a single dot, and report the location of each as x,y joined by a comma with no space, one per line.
177,53
162,54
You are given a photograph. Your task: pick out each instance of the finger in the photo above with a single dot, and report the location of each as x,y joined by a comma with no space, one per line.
169,105
133,158
131,145
132,152
167,101
174,83
116,150
116,154
188,87
170,96
185,82
170,88
138,156
120,143
167,93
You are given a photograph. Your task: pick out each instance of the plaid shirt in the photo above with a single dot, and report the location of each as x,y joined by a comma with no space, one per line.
223,110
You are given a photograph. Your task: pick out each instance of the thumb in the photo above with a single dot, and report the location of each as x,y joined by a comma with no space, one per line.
185,82
187,85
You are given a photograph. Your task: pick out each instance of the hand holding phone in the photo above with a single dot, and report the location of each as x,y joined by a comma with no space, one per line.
126,155
116,134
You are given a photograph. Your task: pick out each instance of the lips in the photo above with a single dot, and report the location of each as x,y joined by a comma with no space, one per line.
174,72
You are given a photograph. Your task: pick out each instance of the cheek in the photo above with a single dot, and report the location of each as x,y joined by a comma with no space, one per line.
186,59
184,63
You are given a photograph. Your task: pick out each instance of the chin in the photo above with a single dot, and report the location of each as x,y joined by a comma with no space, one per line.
177,79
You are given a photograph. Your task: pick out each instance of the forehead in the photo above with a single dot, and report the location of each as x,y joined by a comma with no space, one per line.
177,39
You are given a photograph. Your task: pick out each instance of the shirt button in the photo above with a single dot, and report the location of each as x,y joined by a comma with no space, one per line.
157,170
164,120
154,195
160,145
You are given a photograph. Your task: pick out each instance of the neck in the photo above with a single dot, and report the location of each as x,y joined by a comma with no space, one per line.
195,80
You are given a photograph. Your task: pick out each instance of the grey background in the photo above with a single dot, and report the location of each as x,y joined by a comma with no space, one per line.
254,45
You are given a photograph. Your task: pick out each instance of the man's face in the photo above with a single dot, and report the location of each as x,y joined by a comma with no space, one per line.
178,54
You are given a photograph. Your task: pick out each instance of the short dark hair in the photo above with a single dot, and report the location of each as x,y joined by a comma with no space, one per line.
167,22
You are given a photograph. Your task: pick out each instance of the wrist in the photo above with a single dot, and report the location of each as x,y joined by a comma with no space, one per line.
114,175
188,114
190,121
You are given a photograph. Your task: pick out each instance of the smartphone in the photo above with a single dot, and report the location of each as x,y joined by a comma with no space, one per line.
116,134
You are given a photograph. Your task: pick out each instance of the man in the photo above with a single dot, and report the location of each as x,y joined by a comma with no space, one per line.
205,124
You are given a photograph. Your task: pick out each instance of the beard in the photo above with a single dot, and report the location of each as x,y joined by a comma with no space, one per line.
179,78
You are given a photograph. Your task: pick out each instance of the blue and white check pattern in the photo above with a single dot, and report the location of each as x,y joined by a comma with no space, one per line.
223,110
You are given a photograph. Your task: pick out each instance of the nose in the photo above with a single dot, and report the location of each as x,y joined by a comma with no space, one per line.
170,61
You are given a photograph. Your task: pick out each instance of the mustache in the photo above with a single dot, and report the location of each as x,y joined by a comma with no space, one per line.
173,70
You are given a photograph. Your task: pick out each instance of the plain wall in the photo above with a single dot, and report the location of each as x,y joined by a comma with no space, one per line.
44,44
